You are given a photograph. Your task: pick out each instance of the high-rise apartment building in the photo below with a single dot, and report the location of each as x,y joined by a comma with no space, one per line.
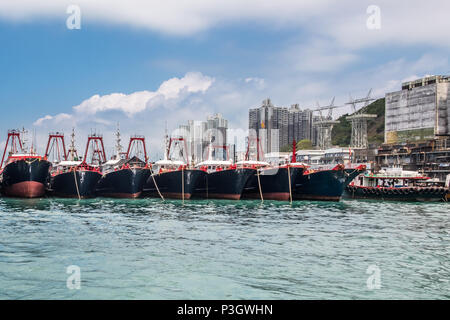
300,124
200,134
277,127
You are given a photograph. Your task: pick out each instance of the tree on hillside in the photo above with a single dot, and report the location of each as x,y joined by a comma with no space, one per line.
304,144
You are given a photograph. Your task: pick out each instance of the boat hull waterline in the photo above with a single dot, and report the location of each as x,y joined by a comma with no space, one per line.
225,184
26,178
171,186
326,185
274,184
123,183
64,184
413,194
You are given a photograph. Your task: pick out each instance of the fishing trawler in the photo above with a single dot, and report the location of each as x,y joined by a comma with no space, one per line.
352,173
124,175
271,182
173,179
25,174
73,177
223,179
325,185
396,184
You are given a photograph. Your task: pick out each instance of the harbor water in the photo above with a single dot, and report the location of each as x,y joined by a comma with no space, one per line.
149,249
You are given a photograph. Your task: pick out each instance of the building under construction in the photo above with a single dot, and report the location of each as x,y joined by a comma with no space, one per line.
418,112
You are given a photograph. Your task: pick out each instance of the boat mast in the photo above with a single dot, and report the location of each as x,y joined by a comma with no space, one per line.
23,138
119,147
294,151
73,154
56,140
33,142
16,142
167,144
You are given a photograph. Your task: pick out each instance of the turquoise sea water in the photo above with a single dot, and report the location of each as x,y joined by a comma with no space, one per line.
147,249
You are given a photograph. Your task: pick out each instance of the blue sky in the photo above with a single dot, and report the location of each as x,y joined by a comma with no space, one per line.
152,62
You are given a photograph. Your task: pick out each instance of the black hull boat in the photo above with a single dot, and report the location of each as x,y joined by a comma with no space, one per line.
224,184
274,183
75,184
26,177
123,183
351,174
325,185
397,194
177,184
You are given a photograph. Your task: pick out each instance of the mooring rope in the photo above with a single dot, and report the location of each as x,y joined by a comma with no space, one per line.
182,183
207,194
259,185
30,162
76,182
156,185
290,188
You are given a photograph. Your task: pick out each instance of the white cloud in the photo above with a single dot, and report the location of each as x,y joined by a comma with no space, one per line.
192,82
177,100
56,119
168,16
402,22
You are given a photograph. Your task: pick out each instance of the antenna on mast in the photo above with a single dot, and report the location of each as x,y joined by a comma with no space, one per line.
24,139
73,154
166,142
118,140
33,138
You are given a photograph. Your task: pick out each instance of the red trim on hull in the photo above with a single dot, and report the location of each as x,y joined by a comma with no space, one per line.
122,195
70,196
279,196
224,196
169,195
175,195
26,189
316,197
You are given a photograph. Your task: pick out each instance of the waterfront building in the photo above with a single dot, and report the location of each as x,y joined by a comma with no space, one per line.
419,111
430,157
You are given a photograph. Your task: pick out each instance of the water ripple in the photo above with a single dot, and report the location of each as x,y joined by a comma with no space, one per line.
149,249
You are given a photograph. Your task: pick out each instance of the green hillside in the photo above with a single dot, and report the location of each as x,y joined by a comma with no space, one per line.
375,127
